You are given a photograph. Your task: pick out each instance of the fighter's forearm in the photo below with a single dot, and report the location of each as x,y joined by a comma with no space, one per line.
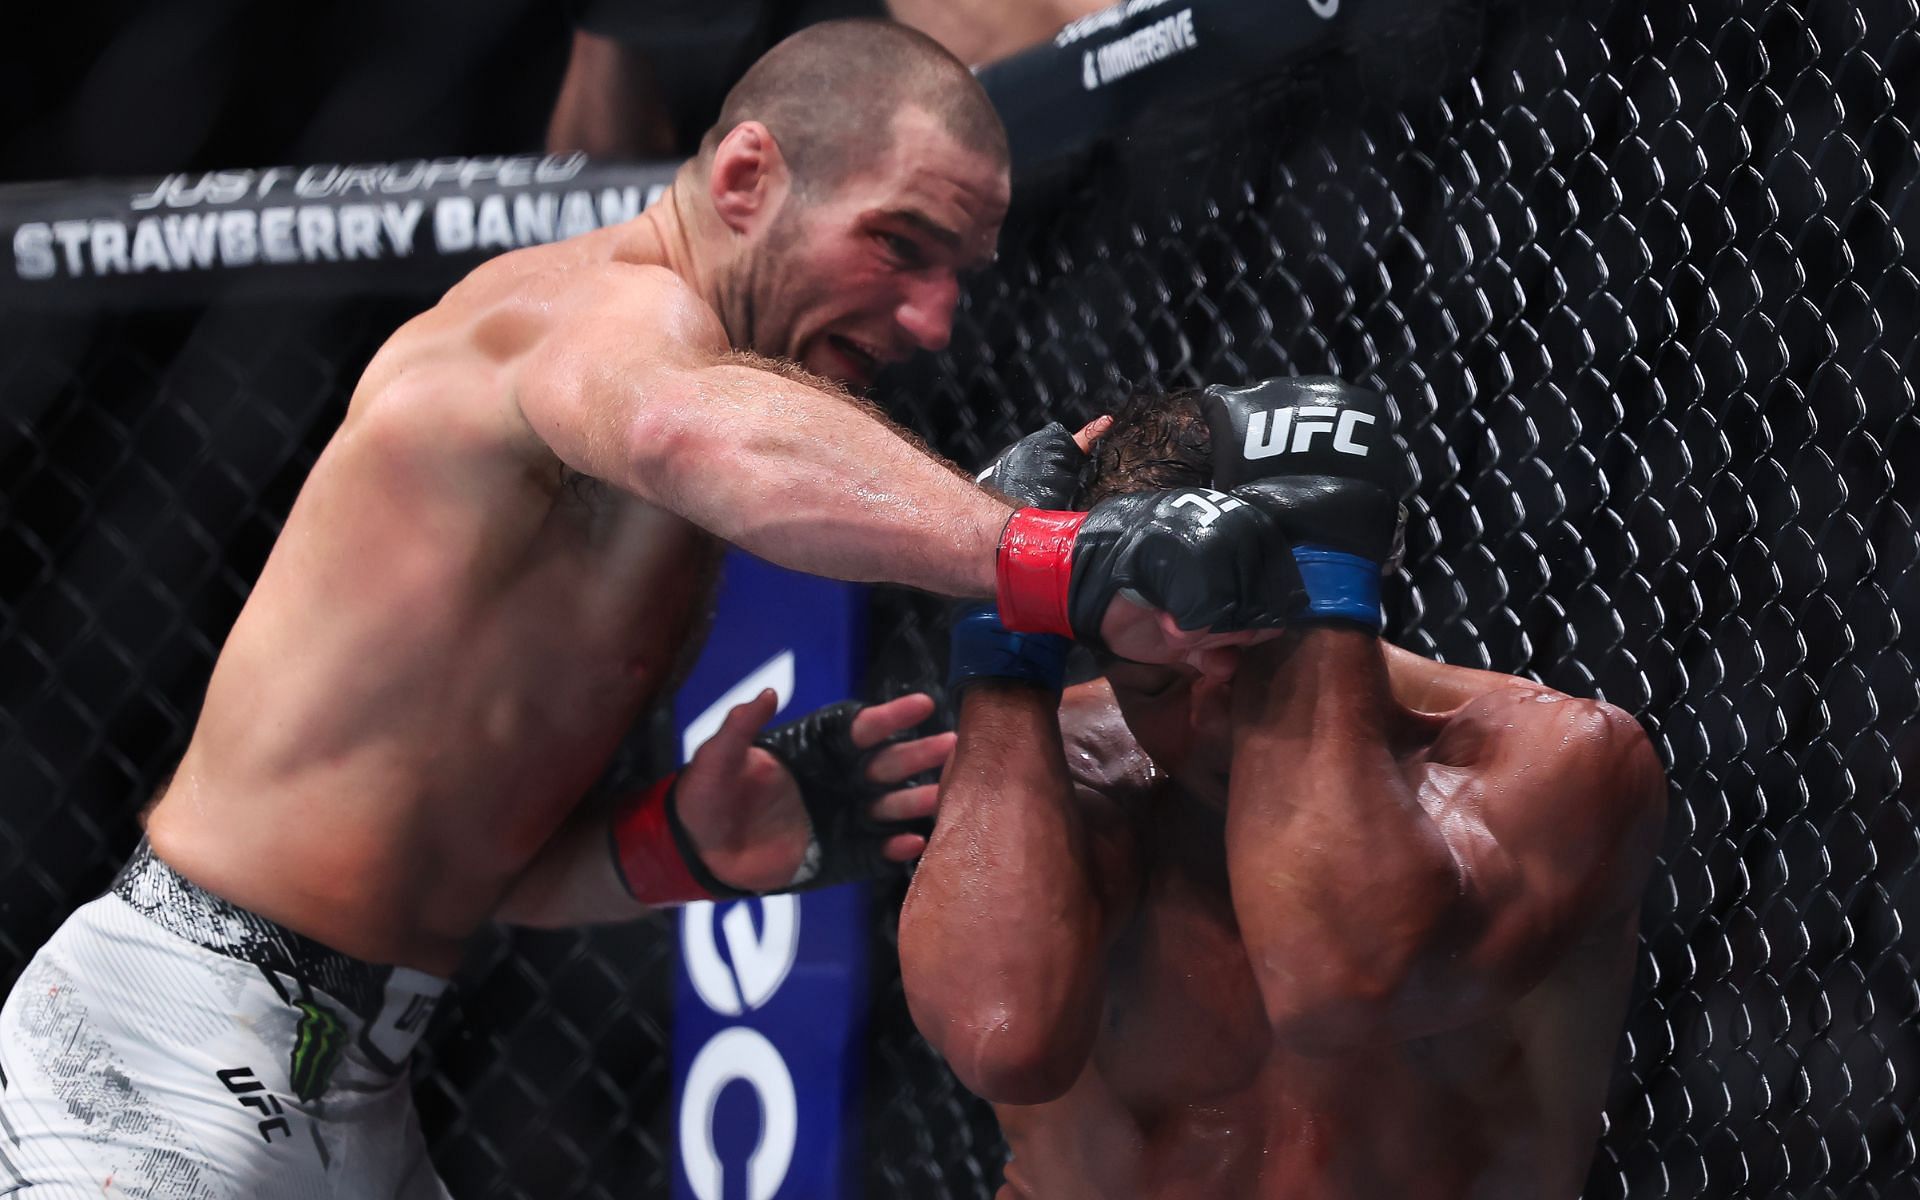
1341,881
1000,936
573,880
816,481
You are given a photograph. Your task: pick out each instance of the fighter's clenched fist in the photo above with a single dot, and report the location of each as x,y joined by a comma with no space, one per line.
1319,455
1209,560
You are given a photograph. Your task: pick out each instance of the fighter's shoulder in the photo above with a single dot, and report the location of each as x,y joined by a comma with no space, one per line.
1102,755
1525,707
1572,737
590,298
642,300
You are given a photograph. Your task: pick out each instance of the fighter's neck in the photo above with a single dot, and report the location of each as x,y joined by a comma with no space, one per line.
671,234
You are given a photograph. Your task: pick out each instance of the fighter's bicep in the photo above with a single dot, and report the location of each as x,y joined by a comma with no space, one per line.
1557,828
624,351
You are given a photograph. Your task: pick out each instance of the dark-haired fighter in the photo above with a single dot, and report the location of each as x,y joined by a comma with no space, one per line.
1328,921
494,567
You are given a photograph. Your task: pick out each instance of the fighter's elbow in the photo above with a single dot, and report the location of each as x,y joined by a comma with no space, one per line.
1003,1049
662,445
1006,1059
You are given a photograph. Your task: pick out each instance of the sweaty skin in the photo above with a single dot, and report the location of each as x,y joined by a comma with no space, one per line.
506,553
1349,925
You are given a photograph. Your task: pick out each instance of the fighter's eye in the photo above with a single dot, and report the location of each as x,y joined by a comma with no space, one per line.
904,250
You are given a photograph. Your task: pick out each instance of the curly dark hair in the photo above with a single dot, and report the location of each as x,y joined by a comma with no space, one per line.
1158,440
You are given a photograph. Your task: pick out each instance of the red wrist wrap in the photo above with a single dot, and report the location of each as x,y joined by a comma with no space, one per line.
644,850
1034,569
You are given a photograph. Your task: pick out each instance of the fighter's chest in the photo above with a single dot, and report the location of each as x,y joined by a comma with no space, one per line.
1184,1020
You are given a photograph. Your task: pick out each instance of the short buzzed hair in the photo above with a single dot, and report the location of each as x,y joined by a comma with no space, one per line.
828,95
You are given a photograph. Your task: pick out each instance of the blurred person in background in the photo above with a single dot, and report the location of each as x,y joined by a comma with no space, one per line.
644,79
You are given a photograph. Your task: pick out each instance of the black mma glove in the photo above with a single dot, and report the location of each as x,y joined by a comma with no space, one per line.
1208,559
1042,471
1319,454
848,843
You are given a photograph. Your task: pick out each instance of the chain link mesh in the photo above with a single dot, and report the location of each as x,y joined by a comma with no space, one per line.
1641,285
1642,288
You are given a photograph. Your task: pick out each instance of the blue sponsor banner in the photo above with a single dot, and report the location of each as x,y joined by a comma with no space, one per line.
770,995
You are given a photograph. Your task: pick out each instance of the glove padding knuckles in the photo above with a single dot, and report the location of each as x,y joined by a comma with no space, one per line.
848,842
1208,559
1041,470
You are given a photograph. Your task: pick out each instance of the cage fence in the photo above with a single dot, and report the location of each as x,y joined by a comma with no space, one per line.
1642,283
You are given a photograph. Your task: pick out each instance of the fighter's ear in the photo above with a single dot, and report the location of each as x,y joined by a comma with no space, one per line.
749,177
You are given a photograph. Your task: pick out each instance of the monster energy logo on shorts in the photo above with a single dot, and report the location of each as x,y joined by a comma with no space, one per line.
316,1049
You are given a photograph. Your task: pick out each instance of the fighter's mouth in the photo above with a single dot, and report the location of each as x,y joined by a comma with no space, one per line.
864,357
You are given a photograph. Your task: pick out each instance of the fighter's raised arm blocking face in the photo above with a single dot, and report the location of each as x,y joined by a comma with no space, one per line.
1354,924
844,227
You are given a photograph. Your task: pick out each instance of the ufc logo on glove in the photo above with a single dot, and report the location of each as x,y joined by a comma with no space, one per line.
1269,433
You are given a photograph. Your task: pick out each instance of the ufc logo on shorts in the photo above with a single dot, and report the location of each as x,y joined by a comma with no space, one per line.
1209,503
1292,430
242,1082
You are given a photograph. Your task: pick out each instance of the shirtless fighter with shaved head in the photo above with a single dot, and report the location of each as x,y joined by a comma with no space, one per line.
1318,919
497,564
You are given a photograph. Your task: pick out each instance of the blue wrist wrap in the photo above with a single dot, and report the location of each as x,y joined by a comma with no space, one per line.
1340,586
983,648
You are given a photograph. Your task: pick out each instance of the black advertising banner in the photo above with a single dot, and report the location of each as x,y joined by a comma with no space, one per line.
1107,70
401,226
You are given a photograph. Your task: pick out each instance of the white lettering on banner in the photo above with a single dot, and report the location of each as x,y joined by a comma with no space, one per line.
109,243
276,235
332,180
311,233
189,238
453,225
619,204
149,249
72,235
745,1055
214,187
33,251
1142,48
461,224
360,232
496,231
238,245
776,673
1106,18
316,233
760,961
576,214
533,216
1268,432
400,220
